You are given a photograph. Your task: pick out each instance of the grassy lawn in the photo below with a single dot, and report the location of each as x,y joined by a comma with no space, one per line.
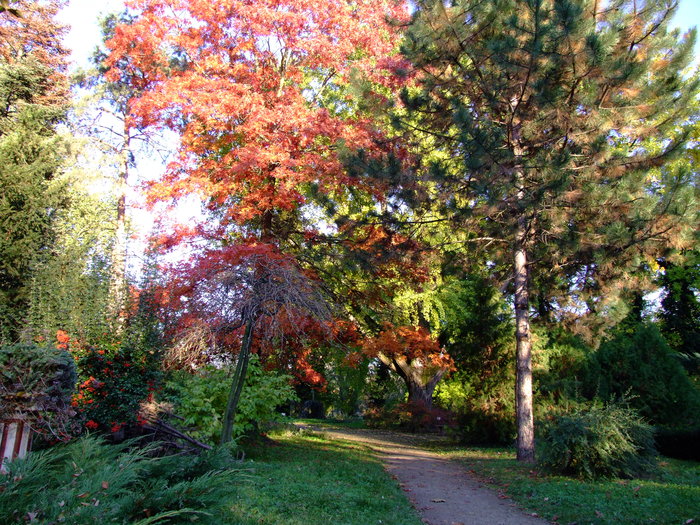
305,479
671,497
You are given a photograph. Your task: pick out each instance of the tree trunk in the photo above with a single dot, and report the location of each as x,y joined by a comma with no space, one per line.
237,383
419,390
117,285
419,393
523,383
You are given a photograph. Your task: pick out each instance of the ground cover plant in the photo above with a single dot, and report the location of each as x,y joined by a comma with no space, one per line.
89,481
305,478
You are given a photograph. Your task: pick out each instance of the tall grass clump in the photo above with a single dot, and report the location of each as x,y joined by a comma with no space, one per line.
599,442
89,481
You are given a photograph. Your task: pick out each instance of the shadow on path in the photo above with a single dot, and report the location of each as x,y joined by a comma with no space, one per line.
441,490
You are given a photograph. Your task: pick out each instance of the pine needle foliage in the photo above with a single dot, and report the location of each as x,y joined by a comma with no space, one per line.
88,481
552,116
599,442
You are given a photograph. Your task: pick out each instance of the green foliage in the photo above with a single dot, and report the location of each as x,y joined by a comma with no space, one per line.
69,289
638,364
598,442
384,388
489,423
477,333
559,363
346,383
30,157
88,481
201,399
680,313
120,371
36,383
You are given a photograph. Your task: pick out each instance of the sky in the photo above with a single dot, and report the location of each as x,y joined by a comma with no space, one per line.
85,35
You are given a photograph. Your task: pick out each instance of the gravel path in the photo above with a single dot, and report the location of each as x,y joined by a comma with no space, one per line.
441,490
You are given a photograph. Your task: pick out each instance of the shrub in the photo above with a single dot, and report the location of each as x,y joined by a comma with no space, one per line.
485,426
483,417
116,378
411,417
201,399
118,371
641,365
88,481
598,442
36,383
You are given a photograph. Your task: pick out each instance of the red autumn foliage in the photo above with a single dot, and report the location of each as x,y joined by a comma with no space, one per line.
243,87
413,344
413,354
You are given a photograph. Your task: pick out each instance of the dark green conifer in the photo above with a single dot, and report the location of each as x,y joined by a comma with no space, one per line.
552,118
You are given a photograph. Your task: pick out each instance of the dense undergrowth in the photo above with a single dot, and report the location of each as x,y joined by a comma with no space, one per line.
89,481
293,479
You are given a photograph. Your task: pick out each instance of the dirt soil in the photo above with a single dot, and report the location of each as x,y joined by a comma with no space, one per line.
441,490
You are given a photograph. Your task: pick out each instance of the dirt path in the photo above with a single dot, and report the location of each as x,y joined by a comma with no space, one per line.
441,490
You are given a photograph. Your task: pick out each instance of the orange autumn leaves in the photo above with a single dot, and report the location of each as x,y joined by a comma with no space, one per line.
414,344
242,84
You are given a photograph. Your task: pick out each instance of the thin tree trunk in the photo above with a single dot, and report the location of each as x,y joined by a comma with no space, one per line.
117,286
523,383
237,383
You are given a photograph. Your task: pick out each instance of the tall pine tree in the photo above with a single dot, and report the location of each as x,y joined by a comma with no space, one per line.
33,98
551,114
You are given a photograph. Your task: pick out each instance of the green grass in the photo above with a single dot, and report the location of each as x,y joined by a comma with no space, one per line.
333,423
305,479
671,497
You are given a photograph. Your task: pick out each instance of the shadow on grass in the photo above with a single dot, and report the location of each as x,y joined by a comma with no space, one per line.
671,497
307,479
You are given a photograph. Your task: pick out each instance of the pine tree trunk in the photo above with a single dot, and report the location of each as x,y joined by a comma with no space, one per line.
523,384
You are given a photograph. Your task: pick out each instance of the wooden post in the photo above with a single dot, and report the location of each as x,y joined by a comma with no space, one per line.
15,440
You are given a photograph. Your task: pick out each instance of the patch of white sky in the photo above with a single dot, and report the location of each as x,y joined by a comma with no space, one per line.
84,36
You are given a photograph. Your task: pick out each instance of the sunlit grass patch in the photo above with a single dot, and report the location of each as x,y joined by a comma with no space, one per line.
671,497
306,479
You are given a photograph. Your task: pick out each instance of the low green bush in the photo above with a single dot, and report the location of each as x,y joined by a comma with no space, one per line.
89,481
201,399
598,442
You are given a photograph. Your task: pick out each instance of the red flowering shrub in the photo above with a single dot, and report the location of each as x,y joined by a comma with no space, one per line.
117,379
116,375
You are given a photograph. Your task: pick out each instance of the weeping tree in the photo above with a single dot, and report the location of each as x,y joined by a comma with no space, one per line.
247,295
551,119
